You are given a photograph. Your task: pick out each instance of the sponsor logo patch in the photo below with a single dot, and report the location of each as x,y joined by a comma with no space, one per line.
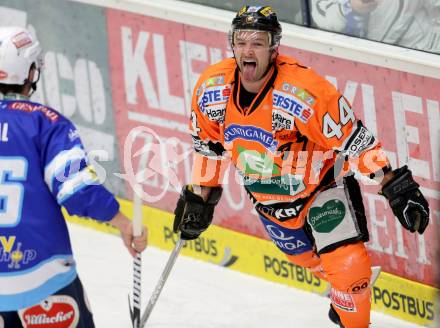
29,107
251,133
290,241
281,121
253,9
215,95
21,40
342,300
288,184
326,218
216,113
299,93
292,105
362,140
13,254
359,286
266,11
57,311
280,212
253,162
212,81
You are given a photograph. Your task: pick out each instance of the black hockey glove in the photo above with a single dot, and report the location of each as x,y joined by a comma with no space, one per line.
192,214
406,200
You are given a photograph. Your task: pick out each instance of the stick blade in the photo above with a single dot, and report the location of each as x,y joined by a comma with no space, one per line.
135,314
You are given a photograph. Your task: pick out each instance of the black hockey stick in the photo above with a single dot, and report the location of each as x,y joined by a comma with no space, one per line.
135,311
163,278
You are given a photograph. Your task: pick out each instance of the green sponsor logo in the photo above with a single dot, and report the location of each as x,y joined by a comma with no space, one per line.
326,218
253,162
281,185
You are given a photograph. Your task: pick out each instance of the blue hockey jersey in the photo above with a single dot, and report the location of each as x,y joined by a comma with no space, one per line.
43,166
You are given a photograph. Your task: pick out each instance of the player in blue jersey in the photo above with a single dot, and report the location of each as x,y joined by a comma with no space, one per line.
43,167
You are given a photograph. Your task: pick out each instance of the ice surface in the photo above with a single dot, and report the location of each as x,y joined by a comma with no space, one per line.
196,295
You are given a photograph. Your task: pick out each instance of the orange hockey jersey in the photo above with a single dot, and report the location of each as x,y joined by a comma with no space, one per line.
286,144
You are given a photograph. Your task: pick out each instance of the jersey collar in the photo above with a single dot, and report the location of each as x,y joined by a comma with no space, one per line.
13,96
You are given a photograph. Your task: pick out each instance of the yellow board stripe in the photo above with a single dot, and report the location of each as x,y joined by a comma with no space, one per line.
393,295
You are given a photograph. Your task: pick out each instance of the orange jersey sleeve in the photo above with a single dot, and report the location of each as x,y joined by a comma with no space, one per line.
208,108
333,125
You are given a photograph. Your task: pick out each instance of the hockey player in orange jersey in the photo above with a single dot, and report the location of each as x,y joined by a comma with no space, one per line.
294,140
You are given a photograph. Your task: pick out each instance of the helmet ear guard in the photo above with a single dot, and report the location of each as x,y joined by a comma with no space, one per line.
259,18
36,78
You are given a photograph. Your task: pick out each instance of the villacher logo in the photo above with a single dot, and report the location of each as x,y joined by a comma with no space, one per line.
42,319
55,311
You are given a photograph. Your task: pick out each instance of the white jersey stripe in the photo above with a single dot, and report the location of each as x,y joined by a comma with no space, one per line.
19,282
59,163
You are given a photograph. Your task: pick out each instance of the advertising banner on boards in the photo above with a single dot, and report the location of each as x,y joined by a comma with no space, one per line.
155,63
126,81
75,79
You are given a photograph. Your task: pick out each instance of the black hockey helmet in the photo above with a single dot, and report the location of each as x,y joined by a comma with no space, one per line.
261,18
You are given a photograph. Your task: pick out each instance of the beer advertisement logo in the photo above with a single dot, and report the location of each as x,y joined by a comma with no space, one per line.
59,311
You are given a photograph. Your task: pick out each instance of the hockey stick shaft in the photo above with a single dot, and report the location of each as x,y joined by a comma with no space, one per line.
163,278
137,261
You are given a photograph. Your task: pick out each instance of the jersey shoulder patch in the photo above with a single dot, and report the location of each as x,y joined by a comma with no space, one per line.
31,107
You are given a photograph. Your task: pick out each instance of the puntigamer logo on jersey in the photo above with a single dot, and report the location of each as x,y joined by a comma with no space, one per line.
292,105
252,133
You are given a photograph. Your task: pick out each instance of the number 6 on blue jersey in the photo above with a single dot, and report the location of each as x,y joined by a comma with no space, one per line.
12,169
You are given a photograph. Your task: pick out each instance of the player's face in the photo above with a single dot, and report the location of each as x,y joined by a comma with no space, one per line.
253,54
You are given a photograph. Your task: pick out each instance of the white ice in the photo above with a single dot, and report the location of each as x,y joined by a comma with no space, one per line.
196,295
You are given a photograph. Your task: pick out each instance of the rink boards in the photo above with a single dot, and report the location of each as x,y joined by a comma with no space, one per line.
393,295
121,65
116,65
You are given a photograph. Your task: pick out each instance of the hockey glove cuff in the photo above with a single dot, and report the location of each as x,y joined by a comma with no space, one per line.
406,200
192,214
